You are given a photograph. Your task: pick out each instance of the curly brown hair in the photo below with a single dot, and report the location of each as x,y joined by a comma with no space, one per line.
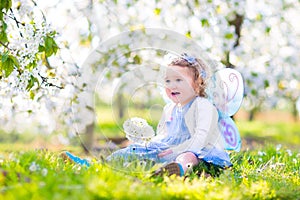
198,68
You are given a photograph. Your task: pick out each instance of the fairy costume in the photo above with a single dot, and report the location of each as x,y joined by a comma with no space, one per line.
202,127
191,128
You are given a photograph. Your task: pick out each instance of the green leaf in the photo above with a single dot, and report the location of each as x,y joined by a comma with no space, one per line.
266,83
228,36
137,59
15,61
3,35
253,92
50,46
31,65
268,29
5,4
204,22
8,63
254,74
31,82
31,95
4,57
188,34
8,67
41,48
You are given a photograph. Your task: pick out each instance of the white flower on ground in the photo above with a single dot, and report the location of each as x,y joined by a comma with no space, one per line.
278,147
33,167
44,172
289,152
261,153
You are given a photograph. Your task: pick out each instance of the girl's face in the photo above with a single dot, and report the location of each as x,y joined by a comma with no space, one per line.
179,84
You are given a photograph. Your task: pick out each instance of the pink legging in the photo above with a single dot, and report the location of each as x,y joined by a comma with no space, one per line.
187,160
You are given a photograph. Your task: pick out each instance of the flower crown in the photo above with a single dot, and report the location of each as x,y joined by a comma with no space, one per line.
192,60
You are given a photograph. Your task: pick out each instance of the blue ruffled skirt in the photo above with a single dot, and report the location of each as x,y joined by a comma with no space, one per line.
135,151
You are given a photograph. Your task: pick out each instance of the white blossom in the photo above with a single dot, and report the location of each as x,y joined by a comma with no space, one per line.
138,130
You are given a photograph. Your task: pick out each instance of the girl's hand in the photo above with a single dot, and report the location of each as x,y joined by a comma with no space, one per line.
164,153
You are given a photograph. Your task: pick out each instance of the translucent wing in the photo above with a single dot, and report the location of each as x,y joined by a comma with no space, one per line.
226,91
230,134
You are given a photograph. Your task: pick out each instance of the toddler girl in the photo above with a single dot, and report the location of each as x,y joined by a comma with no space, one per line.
188,130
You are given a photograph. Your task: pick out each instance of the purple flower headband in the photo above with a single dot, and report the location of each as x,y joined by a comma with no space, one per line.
192,60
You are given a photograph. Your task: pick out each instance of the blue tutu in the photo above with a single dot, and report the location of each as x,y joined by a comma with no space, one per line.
177,134
137,151
215,156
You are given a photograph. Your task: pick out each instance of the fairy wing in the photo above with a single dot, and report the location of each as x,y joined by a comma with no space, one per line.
226,91
230,134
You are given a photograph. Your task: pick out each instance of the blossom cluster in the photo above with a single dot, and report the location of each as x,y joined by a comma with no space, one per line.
138,130
38,92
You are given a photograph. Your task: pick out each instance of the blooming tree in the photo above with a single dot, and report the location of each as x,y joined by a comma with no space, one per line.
36,91
267,53
258,38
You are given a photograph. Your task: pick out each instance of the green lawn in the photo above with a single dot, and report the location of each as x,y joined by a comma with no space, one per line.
287,133
268,167
267,173
257,132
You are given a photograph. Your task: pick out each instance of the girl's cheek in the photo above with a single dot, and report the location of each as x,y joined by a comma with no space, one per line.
168,92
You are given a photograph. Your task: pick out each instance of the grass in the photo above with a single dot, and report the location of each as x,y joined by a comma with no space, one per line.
287,133
268,173
269,170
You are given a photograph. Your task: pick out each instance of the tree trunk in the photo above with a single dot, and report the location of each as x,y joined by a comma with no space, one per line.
295,112
88,138
251,115
120,105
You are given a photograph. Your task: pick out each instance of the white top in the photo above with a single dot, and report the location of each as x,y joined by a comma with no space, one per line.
202,122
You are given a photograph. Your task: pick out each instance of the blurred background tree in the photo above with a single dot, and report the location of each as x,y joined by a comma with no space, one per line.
258,38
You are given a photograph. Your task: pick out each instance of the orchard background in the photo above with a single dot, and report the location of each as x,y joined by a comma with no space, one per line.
71,73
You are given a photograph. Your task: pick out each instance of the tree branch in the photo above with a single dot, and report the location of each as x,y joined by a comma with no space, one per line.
45,81
5,45
17,22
